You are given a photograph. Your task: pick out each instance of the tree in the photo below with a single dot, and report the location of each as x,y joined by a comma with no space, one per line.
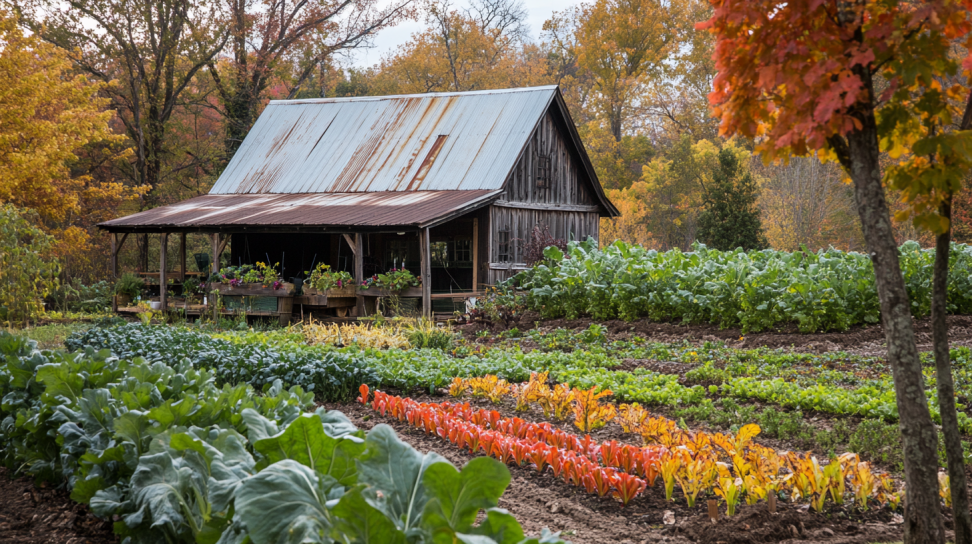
272,40
621,44
51,122
730,218
805,202
852,79
481,47
148,53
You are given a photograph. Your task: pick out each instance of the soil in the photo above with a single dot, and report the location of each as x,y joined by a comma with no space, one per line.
867,341
540,500
36,515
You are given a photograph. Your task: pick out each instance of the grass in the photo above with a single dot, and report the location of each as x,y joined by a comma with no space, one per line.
52,336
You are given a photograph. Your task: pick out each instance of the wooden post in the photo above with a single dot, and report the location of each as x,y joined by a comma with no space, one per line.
359,271
143,254
163,295
426,271
213,268
182,257
114,255
475,254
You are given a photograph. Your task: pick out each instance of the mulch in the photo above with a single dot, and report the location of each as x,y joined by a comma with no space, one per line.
30,514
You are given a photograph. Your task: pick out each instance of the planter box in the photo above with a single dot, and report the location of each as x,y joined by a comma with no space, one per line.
347,291
254,290
375,292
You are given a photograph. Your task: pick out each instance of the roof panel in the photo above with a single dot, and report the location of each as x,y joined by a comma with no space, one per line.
373,144
386,209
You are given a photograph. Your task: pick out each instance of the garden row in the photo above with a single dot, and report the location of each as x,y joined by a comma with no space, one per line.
756,290
175,458
730,466
334,373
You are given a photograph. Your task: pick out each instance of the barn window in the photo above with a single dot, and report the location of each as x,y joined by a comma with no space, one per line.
503,255
542,174
452,253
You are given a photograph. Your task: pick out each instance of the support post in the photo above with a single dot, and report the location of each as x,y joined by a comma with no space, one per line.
114,255
475,254
163,295
182,257
214,268
143,254
426,271
359,272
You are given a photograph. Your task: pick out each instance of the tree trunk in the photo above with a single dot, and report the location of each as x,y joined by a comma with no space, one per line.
923,524
946,387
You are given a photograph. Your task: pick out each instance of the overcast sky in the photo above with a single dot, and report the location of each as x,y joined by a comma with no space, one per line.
387,40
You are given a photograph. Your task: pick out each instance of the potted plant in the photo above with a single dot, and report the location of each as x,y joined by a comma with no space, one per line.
128,287
250,277
191,288
395,280
324,281
393,283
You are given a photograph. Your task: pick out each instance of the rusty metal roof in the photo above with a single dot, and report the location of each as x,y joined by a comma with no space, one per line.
328,210
424,142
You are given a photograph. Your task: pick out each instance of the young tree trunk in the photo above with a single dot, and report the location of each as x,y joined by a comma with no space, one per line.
946,387
923,524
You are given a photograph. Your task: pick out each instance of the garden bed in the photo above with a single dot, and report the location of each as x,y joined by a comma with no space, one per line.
541,500
861,340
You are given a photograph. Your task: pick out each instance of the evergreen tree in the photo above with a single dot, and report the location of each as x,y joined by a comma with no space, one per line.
730,218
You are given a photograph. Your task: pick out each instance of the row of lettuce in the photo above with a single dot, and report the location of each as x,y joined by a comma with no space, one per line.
755,290
175,451
333,374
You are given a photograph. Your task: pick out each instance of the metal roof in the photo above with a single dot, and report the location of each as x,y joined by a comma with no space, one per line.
423,142
327,210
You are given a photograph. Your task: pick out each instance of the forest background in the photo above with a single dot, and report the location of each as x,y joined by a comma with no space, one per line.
110,107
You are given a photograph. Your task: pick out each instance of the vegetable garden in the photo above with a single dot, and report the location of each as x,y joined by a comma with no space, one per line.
192,435
406,432
756,290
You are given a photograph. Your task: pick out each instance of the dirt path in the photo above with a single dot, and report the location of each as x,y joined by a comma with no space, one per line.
33,515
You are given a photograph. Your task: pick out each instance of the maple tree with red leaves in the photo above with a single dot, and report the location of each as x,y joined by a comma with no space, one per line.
850,79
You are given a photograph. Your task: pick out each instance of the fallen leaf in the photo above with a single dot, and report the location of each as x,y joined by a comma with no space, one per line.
668,517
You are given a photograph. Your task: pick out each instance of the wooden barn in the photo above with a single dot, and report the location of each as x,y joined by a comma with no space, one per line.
449,184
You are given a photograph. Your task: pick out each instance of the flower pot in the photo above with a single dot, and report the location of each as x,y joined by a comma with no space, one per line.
122,301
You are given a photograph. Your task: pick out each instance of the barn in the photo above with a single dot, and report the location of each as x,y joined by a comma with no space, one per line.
449,184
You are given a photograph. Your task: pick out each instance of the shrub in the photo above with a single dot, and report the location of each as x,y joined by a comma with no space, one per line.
28,272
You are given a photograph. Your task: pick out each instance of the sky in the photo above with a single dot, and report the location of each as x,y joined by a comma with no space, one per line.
387,40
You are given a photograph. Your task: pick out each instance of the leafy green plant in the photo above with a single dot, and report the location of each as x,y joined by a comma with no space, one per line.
173,457
394,280
755,290
129,284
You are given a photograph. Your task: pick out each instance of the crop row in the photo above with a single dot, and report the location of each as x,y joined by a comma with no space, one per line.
332,373
175,458
755,290
731,466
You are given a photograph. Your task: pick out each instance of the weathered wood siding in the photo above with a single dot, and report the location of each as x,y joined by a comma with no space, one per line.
569,184
565,204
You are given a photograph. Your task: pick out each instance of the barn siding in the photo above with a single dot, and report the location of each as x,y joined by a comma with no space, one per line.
520,222
570,183
569,186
